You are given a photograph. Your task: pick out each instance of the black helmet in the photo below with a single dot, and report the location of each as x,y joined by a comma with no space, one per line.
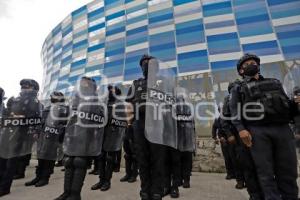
145,57
32,83
91,81
246,57
59,96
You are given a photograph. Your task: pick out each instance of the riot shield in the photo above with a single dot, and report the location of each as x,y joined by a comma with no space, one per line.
19,124
54,119
115,129
84,131
160,126
185,121
291,80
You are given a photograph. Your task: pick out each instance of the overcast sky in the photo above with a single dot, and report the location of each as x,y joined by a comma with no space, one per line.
24,25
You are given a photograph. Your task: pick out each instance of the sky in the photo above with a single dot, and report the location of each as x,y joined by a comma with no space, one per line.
24,26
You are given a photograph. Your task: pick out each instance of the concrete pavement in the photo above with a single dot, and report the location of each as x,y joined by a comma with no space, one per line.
203,187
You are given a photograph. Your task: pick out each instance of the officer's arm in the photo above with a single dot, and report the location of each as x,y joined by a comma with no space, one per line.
234,104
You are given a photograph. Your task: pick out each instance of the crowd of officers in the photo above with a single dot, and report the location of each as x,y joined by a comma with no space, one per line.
259,145
99,139
254,129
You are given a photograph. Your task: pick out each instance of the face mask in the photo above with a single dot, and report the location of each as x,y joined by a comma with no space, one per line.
251,70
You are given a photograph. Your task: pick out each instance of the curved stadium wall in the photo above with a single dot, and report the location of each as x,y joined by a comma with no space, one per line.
200,39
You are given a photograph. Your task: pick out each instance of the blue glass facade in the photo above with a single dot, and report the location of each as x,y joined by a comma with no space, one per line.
200,39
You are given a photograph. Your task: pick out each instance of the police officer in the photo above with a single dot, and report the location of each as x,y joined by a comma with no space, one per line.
263,127
245,168
178,166
150,156
54,119
20,126
113,138
83,137
218,134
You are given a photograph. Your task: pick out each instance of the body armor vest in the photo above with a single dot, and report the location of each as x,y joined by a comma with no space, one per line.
269,94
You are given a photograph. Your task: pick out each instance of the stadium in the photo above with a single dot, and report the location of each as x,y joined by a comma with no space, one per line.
200,39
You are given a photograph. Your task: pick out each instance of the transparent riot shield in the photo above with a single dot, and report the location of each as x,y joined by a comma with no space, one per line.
160,125
185,121
84,131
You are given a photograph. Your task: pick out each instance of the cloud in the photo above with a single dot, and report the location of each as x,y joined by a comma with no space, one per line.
4,10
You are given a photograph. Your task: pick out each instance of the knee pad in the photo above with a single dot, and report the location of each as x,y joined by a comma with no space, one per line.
80,162
68,162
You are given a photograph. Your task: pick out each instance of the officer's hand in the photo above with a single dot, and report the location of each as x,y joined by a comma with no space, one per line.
231,140
297,99
222,140
246,137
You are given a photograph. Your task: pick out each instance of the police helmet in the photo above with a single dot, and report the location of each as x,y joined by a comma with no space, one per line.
30,82
145,57
246,57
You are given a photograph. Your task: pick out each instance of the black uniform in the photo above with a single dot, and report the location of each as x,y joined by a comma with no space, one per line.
227,149
27,106
150,156
113,140
83,137
273,148
50,138
130,157
245,166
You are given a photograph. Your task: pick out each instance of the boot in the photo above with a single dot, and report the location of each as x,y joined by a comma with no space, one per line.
240,185
77,183
124,178
42,182
4,192
144,196
67,184
132,179
156,197
98,185
36,179
32,182
174,192
186,183
127,169
134,173
105,186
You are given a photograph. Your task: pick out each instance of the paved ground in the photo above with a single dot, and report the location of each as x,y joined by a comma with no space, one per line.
204,187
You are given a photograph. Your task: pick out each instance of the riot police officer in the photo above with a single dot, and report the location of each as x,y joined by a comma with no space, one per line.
21,123
245,168
150,153
54,119
83,137
113,138
263,127
179,164
218,134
